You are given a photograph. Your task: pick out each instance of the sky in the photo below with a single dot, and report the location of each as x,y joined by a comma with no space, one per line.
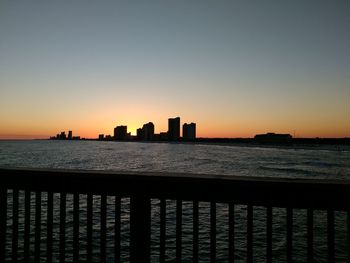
236,68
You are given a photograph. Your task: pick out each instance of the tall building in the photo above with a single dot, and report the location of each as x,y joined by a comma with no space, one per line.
189,132
70,135
174,129
120,133
139,134
146,133
63,136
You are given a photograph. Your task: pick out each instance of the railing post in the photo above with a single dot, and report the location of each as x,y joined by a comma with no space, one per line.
195,231
330,236
14,225
140,224
178,231
348,234
231,227
269,234
37,247
310,235
89,212
117,222
289,235
26,238
249,233
62,244
162,238
3,224
213,232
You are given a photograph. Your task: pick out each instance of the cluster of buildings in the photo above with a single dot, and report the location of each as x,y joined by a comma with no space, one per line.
63,136
146,133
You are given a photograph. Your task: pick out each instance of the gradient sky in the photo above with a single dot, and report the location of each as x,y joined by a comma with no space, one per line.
236,68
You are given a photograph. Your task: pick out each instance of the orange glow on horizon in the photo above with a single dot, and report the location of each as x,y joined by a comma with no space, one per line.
97,121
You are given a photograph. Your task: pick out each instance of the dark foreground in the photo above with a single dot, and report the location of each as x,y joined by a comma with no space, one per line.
142,189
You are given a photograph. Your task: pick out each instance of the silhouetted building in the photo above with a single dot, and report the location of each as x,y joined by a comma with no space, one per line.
149,131
63,136
146,133
174,129
139,134
156,137
120,133
163,136
101,137
273,137
189,132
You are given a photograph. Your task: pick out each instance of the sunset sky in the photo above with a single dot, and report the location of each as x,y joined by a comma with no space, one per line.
236,68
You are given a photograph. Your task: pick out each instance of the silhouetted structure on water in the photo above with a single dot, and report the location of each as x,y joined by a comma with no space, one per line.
120,133
146,133
63,136
174,129
70,135
273,138
189,132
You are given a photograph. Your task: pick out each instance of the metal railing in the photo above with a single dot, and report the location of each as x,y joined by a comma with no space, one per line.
46,192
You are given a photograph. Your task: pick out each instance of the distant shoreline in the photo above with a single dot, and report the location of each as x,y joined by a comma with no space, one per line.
229,141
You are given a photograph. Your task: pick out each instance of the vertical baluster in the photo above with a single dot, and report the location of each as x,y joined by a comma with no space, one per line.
178,230
195,231
249,233
103,228
330,235
89,228
62,227
231,225
37,226
269,234
117,229
140,229
348,241
27,200
49,227
14,225
289,234
310,235
3,218
76,227
213,232
162,230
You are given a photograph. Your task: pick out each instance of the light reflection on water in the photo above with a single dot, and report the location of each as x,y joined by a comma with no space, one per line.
329,162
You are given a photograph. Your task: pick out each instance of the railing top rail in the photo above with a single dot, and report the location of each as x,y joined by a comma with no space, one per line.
302,193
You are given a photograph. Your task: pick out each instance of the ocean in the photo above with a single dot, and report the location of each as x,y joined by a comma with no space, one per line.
309,161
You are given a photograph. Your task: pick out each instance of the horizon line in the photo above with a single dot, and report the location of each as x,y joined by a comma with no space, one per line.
198,138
